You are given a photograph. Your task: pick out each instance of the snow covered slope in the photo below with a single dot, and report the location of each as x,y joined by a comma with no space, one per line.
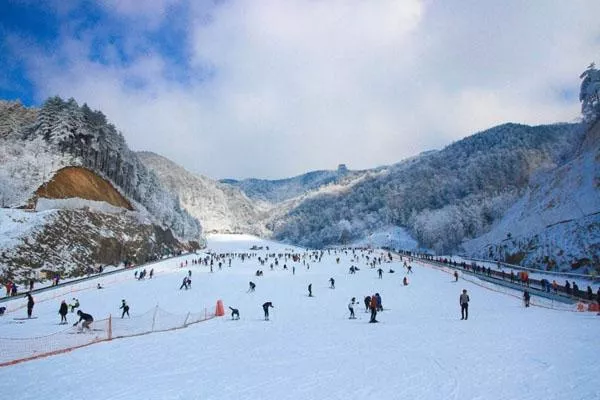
219,207
556,224
420,349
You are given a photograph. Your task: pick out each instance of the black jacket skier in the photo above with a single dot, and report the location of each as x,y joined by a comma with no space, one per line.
125,308
63,311
266,309
30,304
86,318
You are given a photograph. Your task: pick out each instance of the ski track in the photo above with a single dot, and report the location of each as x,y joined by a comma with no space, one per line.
309,348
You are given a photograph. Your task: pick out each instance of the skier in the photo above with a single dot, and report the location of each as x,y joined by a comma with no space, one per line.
526,298
74,305
86,318
455,276
151,273
310,290
331,283
379,305
63,310
125,309
351,308
367,303
373,307
252,286
266,309
380,273
464,304
405,281
30,304
184,284
235,313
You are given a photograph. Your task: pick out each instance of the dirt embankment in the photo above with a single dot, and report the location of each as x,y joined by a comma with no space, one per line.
81,182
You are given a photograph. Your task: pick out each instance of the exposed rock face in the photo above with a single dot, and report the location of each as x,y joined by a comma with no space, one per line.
71,241
83,183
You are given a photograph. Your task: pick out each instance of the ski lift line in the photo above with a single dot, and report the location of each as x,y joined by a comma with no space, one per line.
518,267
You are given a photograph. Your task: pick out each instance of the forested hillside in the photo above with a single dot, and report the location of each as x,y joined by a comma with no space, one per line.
442,197
280,190
36,143
220,207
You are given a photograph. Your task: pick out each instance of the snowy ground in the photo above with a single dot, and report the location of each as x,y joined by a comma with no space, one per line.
309,349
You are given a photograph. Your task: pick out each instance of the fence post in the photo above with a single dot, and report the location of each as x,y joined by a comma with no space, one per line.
154,318
109,326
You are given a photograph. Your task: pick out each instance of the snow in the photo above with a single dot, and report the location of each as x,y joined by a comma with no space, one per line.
18,224
309,349
76,203
393,237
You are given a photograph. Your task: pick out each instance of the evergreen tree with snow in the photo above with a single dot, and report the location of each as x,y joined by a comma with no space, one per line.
589,94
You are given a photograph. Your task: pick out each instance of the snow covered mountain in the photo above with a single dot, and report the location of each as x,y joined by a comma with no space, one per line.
220,208
88,199
279,190
441,197
556,223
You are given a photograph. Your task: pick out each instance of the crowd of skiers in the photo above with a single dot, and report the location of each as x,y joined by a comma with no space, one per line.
372,303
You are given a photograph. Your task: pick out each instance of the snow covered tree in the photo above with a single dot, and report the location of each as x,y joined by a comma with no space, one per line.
589,94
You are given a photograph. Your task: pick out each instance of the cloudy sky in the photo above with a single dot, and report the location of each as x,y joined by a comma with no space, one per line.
275,88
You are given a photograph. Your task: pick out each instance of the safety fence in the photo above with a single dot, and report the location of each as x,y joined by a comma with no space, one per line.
17,350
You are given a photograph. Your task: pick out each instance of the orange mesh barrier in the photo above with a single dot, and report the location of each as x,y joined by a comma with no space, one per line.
17,350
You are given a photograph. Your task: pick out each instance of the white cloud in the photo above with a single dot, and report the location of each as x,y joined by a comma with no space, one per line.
299,85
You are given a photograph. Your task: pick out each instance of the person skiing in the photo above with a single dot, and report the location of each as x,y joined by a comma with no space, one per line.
86,318
380,273
455,276
125,309
252,286
63,310
235,313
405,281
464,304
367,303
266,309
373,307
151,273
351,308
184,283
310,290
379,305
331,283
526,298
74,305
30,304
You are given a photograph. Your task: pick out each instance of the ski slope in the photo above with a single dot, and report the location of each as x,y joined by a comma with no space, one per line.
309,349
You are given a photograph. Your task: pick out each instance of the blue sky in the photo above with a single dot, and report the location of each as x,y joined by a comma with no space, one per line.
271,88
